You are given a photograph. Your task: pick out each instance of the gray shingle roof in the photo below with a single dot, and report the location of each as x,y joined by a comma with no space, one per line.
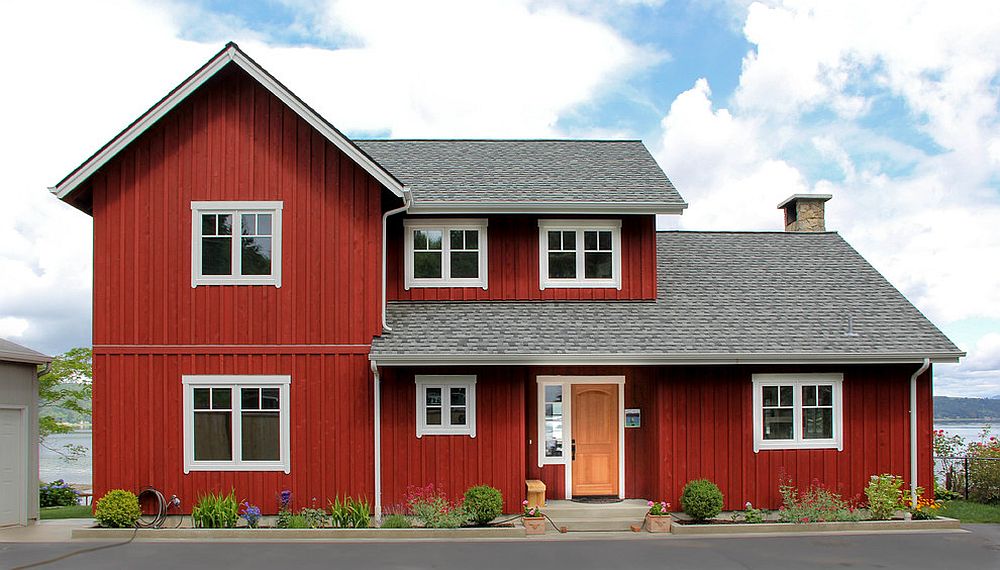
739,297
11,352
526,171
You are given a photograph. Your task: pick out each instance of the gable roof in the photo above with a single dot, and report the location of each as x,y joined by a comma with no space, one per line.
560,176
11,352
229,54
722,298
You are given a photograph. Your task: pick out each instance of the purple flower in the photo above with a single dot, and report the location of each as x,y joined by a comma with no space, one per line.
286,498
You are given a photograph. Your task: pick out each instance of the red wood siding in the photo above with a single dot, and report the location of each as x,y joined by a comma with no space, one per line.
138,426
454,463
513,264
233,140
697,422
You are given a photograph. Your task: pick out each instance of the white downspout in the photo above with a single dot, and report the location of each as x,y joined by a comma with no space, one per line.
407,202
378,442
913,429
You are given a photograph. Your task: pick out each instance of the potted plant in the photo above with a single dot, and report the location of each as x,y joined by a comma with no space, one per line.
658,518
533,519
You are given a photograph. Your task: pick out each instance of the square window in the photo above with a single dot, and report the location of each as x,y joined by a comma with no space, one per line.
445,253
797,411
251,258
579,253
446,405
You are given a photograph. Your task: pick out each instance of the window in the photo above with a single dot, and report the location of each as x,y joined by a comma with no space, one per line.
236,423
797,411
445,253
236,243
551,414
579,253
446,405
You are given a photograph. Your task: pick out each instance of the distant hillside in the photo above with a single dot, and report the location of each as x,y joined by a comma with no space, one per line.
946,408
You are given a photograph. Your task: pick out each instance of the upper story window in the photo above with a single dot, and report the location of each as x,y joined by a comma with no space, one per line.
236,243
446,405
445,253
236,423
579,253
798,411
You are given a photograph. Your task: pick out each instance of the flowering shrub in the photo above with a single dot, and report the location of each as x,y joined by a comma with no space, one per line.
984,469
924,509
285,510
658,509
531,512
945,447
753,515
431,507
57,494
885,496
815,504
250,513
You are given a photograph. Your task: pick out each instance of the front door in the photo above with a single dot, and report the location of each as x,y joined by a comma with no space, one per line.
595,439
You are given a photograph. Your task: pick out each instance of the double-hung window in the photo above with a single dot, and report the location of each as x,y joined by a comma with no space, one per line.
446,405
236,423
445,253
798,411
579,253
236,243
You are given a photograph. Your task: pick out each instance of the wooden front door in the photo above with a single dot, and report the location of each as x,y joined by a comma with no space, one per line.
595,433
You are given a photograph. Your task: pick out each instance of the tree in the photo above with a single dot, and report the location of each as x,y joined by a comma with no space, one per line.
65,390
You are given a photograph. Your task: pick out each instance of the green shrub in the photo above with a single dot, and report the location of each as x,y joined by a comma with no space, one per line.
395,521
483,504
315,518
351,513
294,521
216,511
885,496
117,509
701,499
984,469
815,504
433,509
57,494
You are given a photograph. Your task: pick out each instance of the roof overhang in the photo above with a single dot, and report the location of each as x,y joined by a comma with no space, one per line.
603,208
657,360
231,53
24,358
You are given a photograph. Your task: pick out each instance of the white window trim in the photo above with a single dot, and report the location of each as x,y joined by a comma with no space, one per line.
236,208
445,225
797,381
189,383
579,226
444,382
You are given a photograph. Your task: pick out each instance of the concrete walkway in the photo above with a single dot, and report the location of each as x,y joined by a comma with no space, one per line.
44,531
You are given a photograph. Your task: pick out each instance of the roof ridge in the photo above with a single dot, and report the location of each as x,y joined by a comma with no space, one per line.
781,232
498,140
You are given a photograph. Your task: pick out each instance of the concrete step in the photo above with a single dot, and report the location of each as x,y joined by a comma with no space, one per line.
596,517
606,525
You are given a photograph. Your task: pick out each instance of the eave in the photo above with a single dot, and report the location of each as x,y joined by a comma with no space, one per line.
602,208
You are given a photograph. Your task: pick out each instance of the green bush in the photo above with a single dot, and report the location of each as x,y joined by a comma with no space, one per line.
315,518
395,521
117,509
294,521
815,504
433,509
57,494
885,496
216,511
351,513
483,504
701,499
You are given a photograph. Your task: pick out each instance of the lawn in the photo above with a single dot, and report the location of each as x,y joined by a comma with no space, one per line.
72,512
969,512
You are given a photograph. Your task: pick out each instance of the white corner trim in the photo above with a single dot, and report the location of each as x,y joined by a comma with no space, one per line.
446,381
797,380
445,226
236,208
579,226
235,382
230,54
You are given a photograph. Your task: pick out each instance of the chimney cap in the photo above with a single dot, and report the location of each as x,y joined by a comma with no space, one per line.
799,197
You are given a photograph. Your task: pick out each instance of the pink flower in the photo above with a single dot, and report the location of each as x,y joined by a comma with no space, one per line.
649,504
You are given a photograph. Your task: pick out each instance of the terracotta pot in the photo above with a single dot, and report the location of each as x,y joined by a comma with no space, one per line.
534,525
658,523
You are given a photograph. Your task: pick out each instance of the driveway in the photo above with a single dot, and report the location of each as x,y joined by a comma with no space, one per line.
978,548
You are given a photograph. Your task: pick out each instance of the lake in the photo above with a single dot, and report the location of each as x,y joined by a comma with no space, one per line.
53,466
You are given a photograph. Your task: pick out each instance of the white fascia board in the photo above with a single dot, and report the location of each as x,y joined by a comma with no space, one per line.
653,360
231,53
609,208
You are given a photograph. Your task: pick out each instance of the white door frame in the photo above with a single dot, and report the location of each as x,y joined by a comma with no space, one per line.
25,456
567,383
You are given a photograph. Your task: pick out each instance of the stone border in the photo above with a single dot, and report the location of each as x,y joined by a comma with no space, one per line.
940,523
92,533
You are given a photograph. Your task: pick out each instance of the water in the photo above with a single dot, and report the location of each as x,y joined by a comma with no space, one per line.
52,466
969,431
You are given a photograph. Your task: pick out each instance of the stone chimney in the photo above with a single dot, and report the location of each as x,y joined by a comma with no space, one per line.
805,212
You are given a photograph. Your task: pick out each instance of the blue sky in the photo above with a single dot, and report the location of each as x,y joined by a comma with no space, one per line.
890,106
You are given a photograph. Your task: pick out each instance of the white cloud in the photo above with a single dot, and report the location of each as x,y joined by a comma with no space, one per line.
976,375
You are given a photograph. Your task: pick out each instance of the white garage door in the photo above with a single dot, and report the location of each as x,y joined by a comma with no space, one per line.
11,467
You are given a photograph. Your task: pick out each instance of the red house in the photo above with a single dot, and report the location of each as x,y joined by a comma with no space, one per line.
278,306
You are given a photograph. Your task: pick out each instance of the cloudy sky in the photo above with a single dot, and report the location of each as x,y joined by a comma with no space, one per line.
890,106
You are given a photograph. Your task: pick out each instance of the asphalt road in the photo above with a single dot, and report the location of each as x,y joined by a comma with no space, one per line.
978,549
